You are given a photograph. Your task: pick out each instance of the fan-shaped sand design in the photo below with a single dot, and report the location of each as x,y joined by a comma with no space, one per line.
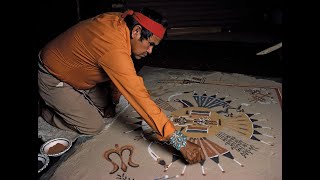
199,120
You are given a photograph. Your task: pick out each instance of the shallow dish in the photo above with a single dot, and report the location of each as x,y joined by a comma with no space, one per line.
43,162
56,147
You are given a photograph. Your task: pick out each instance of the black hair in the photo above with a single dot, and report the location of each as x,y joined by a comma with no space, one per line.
152,14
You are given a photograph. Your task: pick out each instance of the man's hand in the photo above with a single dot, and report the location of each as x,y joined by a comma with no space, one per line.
192,153
110,111
115,93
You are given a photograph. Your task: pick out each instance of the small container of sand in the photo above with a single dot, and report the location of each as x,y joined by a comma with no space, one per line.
43,162
56,147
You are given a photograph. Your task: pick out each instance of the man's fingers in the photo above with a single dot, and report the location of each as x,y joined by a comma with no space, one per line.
194,153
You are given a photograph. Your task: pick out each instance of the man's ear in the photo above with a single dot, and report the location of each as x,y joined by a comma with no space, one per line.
136,31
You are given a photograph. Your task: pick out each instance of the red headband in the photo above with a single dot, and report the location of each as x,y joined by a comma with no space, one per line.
154,27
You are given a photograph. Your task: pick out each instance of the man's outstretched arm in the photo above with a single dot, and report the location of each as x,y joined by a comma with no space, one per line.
122,73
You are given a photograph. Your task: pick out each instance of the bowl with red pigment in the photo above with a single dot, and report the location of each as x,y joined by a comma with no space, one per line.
56,147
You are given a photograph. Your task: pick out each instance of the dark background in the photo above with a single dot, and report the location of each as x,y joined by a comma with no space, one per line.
219,35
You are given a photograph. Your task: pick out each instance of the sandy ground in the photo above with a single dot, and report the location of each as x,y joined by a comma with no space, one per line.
260,109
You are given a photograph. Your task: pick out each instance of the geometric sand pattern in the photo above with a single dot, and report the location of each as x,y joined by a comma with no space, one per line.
240,135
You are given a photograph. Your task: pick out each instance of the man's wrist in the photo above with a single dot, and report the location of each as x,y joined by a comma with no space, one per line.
178,140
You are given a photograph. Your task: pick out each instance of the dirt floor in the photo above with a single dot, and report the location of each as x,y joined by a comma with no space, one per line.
205,56
245,144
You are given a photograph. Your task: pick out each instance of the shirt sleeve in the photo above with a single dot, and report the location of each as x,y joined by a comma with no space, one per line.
120,69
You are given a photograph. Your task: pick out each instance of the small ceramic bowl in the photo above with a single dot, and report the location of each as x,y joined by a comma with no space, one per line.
56,147
43,162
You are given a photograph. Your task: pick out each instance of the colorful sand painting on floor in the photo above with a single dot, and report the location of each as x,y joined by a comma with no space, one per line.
237,120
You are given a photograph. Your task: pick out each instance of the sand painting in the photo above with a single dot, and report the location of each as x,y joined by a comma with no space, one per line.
238,127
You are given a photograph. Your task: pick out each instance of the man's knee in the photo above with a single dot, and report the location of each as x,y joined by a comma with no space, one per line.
93,129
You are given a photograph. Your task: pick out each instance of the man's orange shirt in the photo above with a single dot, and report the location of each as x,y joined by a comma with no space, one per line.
97,50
